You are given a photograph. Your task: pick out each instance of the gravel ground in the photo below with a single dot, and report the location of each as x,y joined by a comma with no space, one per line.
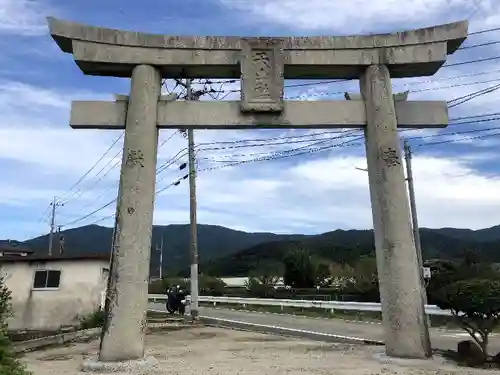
211,351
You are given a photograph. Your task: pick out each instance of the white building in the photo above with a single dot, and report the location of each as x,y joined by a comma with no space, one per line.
50,292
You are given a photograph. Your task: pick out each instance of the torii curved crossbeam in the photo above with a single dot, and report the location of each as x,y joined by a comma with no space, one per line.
109,52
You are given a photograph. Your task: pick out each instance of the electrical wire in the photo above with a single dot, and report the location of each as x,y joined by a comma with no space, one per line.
294,140
457,140
455,102
96,182
471,61
93,166
485,31
300,151
463,99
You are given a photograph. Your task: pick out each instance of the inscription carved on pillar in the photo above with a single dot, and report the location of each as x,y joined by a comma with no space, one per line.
262,84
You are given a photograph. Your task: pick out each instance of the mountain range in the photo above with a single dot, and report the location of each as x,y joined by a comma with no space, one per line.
228,252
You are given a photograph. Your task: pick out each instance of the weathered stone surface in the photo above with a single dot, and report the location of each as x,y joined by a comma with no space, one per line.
102,51
262,84
127,294
405,326
64,32
227,115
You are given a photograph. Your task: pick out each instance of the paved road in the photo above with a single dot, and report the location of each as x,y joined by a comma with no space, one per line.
440,338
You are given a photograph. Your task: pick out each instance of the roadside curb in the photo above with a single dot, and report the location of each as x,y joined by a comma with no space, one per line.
441,329
287,332
89,335
60,339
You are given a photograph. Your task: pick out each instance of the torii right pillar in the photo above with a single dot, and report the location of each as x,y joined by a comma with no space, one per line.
405,325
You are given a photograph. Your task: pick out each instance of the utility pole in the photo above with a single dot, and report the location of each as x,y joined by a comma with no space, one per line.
414,220
192,214
54,205
193,243
161,257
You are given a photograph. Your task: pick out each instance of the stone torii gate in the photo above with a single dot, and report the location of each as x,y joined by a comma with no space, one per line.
262,64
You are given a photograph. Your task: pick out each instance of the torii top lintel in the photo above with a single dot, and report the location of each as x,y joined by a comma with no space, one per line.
109,52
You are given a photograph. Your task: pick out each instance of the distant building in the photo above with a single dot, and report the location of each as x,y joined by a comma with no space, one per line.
241,282
53,291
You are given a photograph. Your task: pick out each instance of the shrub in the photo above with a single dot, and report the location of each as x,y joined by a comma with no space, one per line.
255,288
211,286
9,364
207,285
93,320
445,272
156,287
475,303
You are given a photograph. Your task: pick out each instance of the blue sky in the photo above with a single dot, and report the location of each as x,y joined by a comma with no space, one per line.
457,183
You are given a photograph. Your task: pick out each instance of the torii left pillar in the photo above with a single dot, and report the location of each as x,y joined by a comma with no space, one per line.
123,333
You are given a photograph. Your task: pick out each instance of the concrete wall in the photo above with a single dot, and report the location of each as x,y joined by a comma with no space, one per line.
80,290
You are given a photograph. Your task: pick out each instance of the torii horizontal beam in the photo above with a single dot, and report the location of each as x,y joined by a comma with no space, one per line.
227,115
109,52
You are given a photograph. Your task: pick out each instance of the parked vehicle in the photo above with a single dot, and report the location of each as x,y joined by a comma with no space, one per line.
176,300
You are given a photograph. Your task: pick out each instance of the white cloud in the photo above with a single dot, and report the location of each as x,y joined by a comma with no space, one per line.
329,193
23,17
315,195
340,15
302,194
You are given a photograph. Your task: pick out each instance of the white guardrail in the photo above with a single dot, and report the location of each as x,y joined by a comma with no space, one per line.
328,305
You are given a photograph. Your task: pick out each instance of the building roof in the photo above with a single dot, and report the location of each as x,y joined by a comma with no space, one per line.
13,246
55,257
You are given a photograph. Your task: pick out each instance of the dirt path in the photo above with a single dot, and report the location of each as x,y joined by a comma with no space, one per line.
212,351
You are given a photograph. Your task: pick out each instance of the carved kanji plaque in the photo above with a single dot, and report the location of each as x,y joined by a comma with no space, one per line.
262,63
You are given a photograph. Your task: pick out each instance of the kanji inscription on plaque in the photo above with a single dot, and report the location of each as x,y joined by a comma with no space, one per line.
262,63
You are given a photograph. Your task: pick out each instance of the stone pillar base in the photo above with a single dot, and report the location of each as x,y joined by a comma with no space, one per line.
146,365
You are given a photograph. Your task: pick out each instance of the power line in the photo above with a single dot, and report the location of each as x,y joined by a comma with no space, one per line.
298,152
479,45
475,116
100,209
94,165
96,182
454,133
317,141
342,134
456,85
463,99
458,140
471,61
90,214
182,153
485,31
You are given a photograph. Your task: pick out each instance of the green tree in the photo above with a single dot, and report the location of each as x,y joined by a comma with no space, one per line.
268,272
475,303
322,271
363,280
445,272
9,364
300,270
